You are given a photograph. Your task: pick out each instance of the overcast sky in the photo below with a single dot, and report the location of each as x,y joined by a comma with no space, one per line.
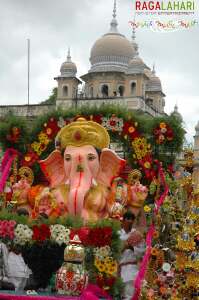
52,26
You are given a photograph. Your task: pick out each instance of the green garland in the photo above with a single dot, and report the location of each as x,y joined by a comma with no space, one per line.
7,138
146,125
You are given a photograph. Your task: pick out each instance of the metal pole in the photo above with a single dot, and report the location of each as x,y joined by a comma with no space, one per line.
28,40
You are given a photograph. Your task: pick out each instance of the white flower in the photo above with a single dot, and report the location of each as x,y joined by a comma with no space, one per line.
102,252
23,234
60,234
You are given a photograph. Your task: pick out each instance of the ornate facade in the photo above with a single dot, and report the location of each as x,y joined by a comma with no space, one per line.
117,75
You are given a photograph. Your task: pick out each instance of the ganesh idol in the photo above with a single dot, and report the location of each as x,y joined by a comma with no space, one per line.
81,170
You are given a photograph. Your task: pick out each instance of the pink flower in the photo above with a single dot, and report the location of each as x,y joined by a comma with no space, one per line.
13,223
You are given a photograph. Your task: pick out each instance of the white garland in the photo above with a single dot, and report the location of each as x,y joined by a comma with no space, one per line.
60,234
23,234
102,252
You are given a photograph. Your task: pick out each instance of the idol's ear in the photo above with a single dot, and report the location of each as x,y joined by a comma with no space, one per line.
53,168
110,166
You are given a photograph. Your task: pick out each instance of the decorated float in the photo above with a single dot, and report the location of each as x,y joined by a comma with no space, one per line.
65,174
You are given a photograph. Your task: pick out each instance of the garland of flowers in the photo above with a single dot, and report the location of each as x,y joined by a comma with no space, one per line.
140,276
40,243
123,126
126,130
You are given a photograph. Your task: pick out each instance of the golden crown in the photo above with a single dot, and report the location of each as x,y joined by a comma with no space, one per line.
83,132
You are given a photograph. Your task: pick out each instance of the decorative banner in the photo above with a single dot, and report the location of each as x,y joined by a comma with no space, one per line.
6,164
145,261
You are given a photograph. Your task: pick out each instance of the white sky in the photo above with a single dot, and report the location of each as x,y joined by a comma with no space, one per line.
52,26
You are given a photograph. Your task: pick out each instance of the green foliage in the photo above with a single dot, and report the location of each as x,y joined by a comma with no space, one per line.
52,98
6,130
165,152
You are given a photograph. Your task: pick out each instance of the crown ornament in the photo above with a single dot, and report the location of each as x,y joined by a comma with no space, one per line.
81,133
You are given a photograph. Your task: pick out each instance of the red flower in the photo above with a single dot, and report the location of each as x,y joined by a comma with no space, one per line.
96,237
51,128
126,127
170,169
112,123
41,233
83,234
97,118
29,159
99,237
110,281
129,129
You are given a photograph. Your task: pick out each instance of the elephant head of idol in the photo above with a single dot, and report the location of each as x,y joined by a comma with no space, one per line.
83,163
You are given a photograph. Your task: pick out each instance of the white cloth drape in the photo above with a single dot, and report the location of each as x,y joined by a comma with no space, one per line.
18,271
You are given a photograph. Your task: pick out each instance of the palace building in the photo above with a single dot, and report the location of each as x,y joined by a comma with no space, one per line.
117,75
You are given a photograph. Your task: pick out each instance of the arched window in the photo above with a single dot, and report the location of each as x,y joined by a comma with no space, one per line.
121,90
65,91
104,90
133,89
91,92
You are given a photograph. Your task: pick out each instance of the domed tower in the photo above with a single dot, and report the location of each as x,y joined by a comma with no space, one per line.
67,83
176,114
153,92
136,73
109,58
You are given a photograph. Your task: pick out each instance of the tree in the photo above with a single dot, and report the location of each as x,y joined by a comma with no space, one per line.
52,98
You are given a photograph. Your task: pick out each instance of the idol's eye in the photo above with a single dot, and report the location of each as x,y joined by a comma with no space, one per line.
91,156
67,157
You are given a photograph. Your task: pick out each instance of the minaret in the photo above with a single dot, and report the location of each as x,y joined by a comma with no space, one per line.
114,23
67,83
135,45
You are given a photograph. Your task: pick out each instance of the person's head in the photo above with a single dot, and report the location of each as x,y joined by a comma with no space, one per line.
15,248
128,220
43,215
22,212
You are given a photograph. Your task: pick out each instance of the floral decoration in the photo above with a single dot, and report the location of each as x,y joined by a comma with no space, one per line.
41,233
14,135
23,234
113,123
7,229
60,234
163,133
141,147
107,265
29,158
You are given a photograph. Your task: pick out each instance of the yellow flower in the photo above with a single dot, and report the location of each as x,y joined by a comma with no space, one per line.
36,147
43,138
99,264
48,131
112,268
140,147
163,125
147,208
147,165
27,158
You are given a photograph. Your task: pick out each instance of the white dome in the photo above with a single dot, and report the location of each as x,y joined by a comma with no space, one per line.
136,65
176,113
154,83
111,52
68,68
